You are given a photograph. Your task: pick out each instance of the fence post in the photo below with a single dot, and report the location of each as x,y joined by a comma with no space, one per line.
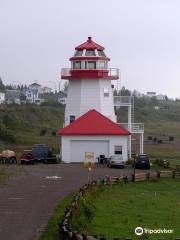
158,174
148,176
133,177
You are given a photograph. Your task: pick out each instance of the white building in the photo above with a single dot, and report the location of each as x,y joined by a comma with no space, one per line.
90,120
161,97
62,97
45,90
151,94
95,133
2,97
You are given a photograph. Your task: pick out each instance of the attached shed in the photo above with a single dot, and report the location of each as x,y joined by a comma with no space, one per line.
93,132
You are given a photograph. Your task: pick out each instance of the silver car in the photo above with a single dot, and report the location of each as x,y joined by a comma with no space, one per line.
116,161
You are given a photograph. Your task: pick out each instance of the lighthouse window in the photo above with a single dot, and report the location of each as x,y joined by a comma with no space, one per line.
102,64
79,53
91,65
77,65
72,118
106,92
118,150
101,53
90,53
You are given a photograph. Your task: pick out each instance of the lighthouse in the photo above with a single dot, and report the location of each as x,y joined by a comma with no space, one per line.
90,120
89,82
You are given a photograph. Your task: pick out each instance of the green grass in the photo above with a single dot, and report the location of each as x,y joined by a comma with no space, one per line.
51,231
121,208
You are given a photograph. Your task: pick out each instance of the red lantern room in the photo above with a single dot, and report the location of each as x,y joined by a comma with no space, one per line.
89,61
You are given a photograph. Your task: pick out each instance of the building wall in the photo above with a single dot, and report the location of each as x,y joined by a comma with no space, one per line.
2,98
73,99
87,94
113,140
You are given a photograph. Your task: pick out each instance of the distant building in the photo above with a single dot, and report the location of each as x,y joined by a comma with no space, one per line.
35,86
137,94
44,90
156,107
62,96
12,97
31,96
151,94
2,97
161,97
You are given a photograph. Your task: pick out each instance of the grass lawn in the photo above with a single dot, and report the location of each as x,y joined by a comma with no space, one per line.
119,209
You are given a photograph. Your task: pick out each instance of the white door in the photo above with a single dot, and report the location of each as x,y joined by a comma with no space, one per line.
78,149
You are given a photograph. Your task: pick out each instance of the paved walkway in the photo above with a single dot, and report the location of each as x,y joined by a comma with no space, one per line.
27,200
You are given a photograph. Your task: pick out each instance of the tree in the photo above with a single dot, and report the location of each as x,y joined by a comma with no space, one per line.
2,86
124,92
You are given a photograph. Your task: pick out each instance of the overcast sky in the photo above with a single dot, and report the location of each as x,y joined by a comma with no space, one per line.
142,38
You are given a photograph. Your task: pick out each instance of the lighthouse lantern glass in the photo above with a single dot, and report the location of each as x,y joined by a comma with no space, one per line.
79,53
101,53
90,53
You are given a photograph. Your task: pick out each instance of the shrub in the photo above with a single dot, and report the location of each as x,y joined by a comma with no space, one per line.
43,131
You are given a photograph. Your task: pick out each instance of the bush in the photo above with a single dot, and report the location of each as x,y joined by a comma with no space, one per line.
43,131
6,134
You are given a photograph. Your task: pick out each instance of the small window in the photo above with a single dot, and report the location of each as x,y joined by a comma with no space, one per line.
90,53
102,64
106,92
91,65
101,53
79,53
72,118
118,150
77,65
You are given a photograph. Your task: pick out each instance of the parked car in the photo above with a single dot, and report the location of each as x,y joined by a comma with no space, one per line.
116,161
27,157
142,162
44,154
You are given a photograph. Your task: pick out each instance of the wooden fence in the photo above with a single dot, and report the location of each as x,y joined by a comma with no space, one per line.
64,225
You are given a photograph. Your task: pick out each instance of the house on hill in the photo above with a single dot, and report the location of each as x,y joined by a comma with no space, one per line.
12,97
62,97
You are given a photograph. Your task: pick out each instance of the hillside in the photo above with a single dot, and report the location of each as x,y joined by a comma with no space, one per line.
25,125
21,126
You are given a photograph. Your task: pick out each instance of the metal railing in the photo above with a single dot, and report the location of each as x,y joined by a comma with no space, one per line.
133,127
109,72
123,101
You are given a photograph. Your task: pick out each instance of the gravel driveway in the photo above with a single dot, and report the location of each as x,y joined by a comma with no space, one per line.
28,199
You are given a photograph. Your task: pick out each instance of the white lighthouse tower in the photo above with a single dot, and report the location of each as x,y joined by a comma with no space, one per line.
90,120
89,82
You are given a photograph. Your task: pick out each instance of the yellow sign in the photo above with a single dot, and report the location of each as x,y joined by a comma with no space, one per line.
89,160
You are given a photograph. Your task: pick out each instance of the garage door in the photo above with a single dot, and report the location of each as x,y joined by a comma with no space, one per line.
78,149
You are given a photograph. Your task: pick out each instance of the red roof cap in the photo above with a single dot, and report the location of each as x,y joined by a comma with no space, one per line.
89,44
93,123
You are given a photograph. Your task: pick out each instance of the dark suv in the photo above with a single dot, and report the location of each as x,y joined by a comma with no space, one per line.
142,162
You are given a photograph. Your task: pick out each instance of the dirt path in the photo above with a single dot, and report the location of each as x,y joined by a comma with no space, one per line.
27,200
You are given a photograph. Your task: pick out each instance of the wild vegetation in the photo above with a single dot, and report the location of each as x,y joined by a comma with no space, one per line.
24,125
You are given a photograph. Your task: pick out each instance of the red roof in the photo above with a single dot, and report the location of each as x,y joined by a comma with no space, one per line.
93,123
89,44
